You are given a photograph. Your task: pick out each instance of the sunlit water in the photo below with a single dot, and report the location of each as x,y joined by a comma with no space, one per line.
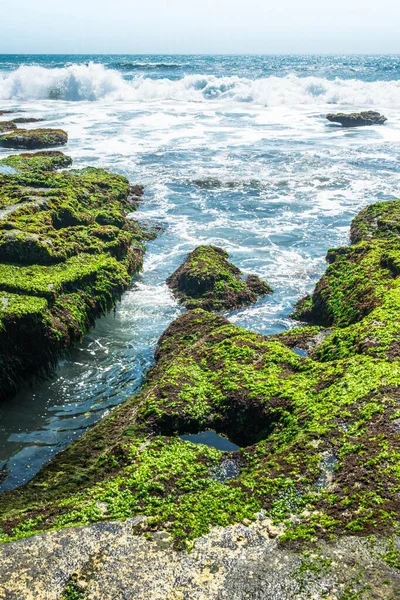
233,151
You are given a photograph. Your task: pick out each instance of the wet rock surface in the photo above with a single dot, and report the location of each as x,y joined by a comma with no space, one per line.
369,117
34,139
209,281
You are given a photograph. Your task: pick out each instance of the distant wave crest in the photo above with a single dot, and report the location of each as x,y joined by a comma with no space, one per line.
94,82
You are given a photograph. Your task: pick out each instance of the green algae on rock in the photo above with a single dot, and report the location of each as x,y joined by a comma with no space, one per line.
32,139
208,280
7,126
48,160
359,295
320,444
319,435
61,265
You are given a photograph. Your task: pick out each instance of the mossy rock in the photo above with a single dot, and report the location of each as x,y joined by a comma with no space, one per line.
50,160
25,120
320,444
7,126
53,249
359,276
33,139
208,280
362,119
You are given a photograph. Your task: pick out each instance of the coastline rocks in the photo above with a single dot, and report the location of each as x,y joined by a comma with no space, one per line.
7,126
359,293
43,161
24,120
209,281
67,252
305,428
364,118
33,139
319,441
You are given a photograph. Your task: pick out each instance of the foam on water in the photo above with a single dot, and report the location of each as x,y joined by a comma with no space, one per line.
247,164
95,82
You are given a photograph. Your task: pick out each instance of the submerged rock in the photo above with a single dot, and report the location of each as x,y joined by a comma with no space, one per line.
67,252
208,280
23,120
32,139
368,117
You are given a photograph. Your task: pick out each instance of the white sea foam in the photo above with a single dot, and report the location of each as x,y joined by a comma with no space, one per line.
94,82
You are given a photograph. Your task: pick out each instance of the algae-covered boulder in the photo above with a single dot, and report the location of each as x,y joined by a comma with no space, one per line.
368,117
61,265
360,292
47,160
25,120
208,280
7,126
33,139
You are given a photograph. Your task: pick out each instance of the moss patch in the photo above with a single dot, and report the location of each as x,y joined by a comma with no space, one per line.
321,447
319,435
67,252
209,281
32,139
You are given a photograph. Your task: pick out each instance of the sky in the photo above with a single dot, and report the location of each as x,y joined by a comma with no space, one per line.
199,26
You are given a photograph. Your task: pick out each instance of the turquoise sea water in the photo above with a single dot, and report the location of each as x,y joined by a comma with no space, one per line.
233,151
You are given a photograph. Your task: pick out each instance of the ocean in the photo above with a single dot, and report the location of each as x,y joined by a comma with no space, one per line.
233,151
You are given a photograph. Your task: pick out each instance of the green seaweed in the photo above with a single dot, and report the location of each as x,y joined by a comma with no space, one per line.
65,242
209,281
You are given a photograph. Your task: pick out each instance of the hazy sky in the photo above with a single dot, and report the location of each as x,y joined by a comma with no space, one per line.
199,26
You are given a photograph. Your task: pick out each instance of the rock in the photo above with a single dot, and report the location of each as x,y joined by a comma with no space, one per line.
319,451
108,562
24,120
67,252
7,126
34,138
368,117
46,160
359,294
209,281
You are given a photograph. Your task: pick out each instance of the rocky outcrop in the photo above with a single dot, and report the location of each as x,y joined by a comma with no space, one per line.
360,292
312,509
67,252
25,120
7,126
208,280
33,139
368,117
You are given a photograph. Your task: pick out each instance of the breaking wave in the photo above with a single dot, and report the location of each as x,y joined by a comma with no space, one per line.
93,82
